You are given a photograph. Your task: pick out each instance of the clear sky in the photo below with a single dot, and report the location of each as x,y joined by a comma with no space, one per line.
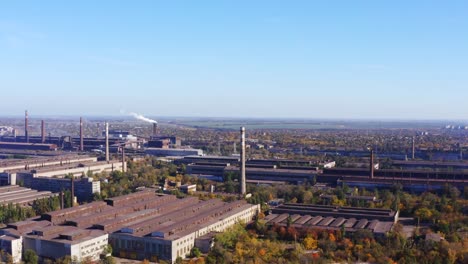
312,59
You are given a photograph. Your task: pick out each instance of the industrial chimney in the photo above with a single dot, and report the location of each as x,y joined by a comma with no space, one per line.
371,164
124,164
412,149
107,142
155,129
62,204
42,132
26,132
72,190
242,166
81,134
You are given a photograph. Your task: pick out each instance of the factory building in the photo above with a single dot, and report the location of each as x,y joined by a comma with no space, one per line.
28,146
306,216
19,195
9,168
281,162
54,242
423,164
156,141
84,188
173,152
256,173
215,169
284,175
142,225
43,161
209,160
48,175
76,169
51,178
415,180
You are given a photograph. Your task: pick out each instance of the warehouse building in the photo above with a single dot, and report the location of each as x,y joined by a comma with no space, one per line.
284,175
351,219
49,175
142,225
32,163
414,180
173,152
22,196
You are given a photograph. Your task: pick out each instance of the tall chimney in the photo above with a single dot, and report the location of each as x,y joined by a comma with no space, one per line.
107,142
371,164
155,129
81,134
412,149
42,131
62,205
124,165
72,190
242,167
26,132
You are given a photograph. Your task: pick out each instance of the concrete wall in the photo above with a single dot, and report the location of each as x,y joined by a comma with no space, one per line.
12,246
91,248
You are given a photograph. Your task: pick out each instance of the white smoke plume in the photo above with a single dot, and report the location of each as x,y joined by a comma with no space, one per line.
143,118
138,116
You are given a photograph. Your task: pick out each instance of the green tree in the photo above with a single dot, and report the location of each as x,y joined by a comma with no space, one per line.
30,257
195,252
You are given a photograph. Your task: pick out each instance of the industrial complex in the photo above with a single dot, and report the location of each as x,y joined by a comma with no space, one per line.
151,225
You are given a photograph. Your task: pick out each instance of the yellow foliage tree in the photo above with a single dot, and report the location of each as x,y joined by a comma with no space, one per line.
309,243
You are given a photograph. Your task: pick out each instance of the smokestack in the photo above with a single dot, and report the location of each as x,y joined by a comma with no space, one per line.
72,190
107,142
413,149
42,131
242,167
371,163
155,129
26,132
62,205
81,134
124,165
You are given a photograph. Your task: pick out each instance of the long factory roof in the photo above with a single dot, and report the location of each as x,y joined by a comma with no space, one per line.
138,214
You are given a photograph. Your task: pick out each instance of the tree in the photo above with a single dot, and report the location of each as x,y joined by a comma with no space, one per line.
309,243
423,214
195,252
30,257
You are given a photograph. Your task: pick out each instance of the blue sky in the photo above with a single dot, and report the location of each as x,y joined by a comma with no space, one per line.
304,59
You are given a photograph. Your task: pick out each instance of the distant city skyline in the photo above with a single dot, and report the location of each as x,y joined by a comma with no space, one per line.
389,60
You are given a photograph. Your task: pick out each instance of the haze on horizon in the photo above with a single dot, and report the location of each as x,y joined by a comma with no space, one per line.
302,59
